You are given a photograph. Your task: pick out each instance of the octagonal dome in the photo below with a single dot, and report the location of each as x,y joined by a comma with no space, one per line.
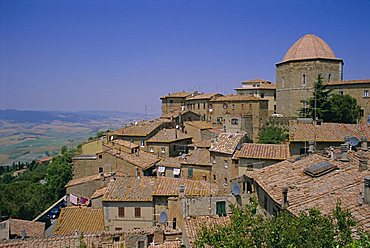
309,47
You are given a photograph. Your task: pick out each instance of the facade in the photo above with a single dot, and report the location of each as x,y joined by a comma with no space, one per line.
262,89
169,167
197,166
240,113
174,102
92,146
199,130
358,89
201,105
308,58
169,143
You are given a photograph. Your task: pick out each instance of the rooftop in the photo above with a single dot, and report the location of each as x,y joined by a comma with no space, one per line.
141,159
86,179
236,98
199,124
168,244
174,162
349,82
341,181
199,157
124,143
263,151
202,144
227,142
182,94
81,219
203,96
130,189
98,193
309,47
169,136
326,132
142,128
32,228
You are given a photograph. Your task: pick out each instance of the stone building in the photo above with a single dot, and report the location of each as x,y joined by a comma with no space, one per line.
169,143
199,130
260,88
175,102
17,228
201,105
92,146
309,57
197,166
240,113
358,89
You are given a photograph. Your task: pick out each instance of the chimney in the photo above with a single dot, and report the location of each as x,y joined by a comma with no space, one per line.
360,199
362,163
367,190
284,202
364,143
344,152
181,191
311,148
158,236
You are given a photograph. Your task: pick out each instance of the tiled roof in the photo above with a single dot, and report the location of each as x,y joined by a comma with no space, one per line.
263,151
98,193
227,142
236,98
130,189
323,192
81,219
178,94
344,82
198,157
32,228
257,80
259,87
86,179
171,162
326,132
124,143
202,144
194,225
199,124
203,96
168,136
175,114
143,159
166,186
142,128
168,244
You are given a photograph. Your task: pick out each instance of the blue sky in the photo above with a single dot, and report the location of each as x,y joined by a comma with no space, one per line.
123,55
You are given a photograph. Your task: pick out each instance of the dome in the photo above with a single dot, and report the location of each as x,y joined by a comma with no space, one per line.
309,47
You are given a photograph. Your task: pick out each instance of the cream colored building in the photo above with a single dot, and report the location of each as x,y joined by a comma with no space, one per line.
200,104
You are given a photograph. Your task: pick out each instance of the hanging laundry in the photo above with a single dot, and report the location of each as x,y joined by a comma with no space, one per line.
83,200
73,199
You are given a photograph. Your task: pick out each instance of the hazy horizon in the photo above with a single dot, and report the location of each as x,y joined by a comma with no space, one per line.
123,55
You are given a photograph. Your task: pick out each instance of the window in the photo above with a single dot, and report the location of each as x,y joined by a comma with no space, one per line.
142,143
163,149
219,119
171,101
233,106
210,105
151,149
225,181
121,212
275,96
283,82
340,92
234,121
366,93
304,79
137,212
221,208
190,172
118,229
361,112
140,244
262,95
204,177
100,156
225,105
174,223
329,77
198,105
204,105
214,177
265,203
100,169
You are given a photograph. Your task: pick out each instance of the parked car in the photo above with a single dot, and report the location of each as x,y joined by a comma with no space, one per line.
54,213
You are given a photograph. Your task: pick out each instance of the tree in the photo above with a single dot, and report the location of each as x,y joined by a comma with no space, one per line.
272,134
318,105
343,109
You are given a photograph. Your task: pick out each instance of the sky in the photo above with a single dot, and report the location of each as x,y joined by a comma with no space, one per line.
123,55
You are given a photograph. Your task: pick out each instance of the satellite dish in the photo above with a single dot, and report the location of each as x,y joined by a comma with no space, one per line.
177,126
235,189
353,141
163,217
111,138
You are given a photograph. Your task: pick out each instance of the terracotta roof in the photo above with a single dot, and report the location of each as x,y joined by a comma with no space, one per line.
326,132
259,87
142,128
309,47
171,162
81,219
168,136
45,159
124,143
345,82
203,96
32,228
263,151
168,244
193,225
199,124
236,98
86,179
178,94
202,144
257,80
323,192
199,157
176,114
227,142
143,159
98,193
166,186
130,189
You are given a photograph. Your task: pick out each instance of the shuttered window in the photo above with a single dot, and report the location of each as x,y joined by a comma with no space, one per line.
221,208
121,212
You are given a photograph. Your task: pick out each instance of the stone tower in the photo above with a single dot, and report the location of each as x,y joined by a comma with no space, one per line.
296,74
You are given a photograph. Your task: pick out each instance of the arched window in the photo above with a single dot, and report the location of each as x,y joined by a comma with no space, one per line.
283,82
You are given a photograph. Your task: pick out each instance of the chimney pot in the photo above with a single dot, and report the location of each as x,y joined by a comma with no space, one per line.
311,148
362,163
364,143
344,152
284,202
367,190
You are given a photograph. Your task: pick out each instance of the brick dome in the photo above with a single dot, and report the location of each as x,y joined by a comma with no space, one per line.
309,47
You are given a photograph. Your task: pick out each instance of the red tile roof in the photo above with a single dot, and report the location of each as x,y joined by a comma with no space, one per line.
143,159
263,151
178,95
168,136
345,82
32,228
199,124
227,142
198,157
236,98
142,128
203,96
